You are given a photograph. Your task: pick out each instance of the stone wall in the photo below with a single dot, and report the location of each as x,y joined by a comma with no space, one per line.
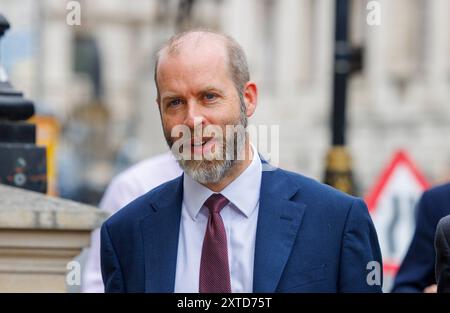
39,236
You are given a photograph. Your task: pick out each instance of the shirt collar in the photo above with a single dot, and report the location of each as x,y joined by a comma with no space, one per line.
243,192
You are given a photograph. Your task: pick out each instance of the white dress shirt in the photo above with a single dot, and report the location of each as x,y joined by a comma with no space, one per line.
240,218
127,186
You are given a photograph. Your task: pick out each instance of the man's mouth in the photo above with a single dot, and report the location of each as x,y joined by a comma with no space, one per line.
202,146
199,142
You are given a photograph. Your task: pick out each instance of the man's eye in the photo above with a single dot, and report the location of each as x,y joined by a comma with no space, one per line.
209,96
175,102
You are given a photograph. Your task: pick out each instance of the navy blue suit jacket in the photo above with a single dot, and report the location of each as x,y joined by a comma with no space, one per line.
417,269
310,238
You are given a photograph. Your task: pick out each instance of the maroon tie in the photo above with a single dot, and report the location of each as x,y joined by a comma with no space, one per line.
214,269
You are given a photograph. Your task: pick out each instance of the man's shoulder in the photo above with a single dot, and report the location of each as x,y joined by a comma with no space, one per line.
139,208
442,237
323,198
326,205
436,200
439,192
444,225
315,189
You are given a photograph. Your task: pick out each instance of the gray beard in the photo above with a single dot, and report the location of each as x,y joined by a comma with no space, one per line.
213,171
205,173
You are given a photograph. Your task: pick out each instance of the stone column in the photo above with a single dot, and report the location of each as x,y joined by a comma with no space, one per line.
240,22
55,63
293,42
322,52
437,51
114,40
376,67
39,236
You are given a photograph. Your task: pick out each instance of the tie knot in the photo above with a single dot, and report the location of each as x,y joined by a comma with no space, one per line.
216,202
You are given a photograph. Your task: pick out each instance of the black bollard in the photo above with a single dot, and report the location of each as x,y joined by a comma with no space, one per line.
22,163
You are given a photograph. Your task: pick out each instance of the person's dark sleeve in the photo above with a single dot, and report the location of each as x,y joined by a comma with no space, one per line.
417,269
111,270
361,267
442,244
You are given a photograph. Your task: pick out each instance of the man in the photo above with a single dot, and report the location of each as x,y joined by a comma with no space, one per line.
417,271
442,244
226,225
132,183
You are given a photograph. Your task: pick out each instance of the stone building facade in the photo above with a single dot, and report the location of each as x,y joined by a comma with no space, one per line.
400,99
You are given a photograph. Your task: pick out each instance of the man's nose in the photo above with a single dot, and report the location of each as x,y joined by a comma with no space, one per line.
194,115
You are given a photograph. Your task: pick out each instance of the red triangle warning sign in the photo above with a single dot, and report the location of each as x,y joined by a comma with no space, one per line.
392,203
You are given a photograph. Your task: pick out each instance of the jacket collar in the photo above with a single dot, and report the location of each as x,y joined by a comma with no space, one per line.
279,219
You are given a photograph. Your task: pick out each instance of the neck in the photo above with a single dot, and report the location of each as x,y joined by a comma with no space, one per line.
235,171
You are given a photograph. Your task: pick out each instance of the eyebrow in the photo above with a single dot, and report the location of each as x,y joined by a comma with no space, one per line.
170,96
212,88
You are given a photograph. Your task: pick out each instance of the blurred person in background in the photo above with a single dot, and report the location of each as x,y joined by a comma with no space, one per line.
417,271
442,245
127,186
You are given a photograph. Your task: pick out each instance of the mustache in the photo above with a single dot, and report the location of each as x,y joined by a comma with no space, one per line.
194,140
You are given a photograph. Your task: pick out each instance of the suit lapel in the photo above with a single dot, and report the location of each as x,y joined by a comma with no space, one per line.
278,222
160,232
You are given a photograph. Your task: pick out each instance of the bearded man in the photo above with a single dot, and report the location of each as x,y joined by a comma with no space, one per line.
227,224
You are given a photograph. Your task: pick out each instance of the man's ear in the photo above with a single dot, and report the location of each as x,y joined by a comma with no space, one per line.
250,97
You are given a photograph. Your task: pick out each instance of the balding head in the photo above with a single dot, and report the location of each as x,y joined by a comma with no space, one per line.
188,42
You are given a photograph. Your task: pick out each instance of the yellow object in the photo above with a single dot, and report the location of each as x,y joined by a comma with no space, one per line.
47,134
338,171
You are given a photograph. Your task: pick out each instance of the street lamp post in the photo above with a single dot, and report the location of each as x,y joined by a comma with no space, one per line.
347,60
22,163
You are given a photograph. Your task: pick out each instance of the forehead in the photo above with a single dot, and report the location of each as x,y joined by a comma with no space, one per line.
192,60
